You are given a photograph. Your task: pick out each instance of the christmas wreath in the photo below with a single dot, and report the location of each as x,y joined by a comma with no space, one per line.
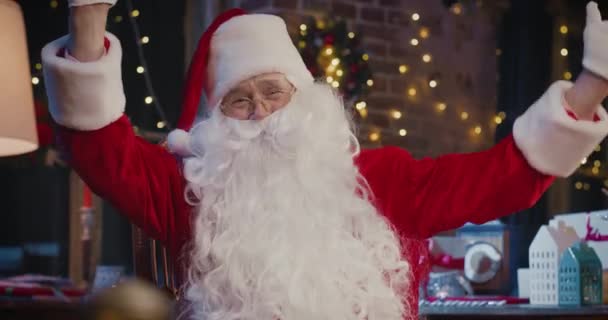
333,53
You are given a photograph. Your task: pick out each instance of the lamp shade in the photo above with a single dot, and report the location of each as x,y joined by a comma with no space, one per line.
17,119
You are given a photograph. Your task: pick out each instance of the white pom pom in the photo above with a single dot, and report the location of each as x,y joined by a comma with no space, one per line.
178,142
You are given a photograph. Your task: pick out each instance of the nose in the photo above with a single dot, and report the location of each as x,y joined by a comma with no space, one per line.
261,110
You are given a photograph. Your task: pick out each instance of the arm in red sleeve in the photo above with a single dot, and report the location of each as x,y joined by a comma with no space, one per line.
141,180
423,197
427,196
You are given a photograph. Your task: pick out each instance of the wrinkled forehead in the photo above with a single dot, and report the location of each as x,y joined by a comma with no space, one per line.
270,79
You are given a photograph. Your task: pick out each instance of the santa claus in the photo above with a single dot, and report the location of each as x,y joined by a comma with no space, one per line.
274,209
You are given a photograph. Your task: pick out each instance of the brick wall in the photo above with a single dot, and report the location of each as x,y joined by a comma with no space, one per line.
463,51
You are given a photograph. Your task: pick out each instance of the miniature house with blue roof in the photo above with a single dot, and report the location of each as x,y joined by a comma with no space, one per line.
544,256
580,276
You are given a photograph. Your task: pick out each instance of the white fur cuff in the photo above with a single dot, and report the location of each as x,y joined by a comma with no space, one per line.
552,141
84,95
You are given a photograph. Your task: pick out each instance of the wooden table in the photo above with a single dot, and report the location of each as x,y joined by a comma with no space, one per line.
20,308
524,311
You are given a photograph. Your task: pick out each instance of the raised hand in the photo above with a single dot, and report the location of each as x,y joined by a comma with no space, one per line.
79,3
87,28
595,57
591,86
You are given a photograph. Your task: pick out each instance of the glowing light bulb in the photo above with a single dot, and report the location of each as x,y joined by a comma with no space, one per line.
351,35
414,42
415,17
457,9
403,132
563,29
38,66
35,80
427,58
477,130
374,136
365,57
145,39
563,52
424,32
361,105
584,160
140,69
370,82
411,92
402,69
396,114
441,106
335,61
567,75
433,83
135,13
148,100
329,51
339,72
160,124
303,27
464,115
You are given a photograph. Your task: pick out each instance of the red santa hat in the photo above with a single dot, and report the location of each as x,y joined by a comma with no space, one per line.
235,47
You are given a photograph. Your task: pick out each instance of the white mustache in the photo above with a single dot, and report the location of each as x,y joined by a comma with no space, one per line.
280,129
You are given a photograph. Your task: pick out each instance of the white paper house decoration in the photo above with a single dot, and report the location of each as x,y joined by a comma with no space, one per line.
586,224
544,254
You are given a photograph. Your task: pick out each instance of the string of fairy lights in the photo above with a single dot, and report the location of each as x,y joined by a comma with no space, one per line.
592,167
143,69
141,40
333,69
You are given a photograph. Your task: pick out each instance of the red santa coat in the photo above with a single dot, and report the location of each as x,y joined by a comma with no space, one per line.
419,197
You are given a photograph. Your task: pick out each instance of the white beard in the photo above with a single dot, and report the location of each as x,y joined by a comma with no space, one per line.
284,228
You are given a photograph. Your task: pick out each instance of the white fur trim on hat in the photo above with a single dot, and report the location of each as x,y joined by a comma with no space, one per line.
552,141
249,45
84,95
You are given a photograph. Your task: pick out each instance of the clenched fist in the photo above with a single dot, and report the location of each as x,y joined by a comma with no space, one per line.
595,58
80,3
87,28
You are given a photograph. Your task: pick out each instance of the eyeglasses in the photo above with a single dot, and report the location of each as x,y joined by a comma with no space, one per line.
242,106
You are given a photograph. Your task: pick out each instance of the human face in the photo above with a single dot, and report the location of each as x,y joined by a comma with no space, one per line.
257,97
